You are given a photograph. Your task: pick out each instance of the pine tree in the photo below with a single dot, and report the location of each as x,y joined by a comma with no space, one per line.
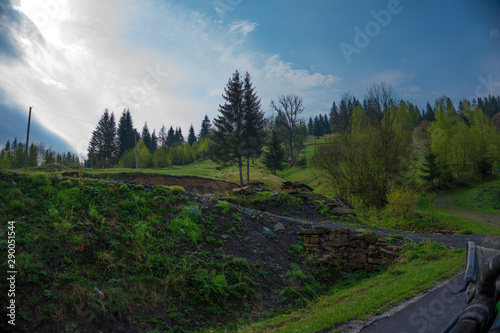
430,167
154,141
274,157
334,115
7,146
170,137
429,113
310,127
125,132
14,144
253,127
317,127
178,137
146,137
191,136
205,128
103,146
227,137
162,137
325,125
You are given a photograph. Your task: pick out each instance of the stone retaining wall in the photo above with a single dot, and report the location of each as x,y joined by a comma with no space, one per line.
350,252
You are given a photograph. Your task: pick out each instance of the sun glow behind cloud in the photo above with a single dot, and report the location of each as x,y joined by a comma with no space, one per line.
165,62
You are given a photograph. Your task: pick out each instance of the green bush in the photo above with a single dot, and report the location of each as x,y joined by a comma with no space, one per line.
402,202
40,179
183,225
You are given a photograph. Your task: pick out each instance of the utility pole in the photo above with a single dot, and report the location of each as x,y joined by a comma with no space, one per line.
136,163
27,142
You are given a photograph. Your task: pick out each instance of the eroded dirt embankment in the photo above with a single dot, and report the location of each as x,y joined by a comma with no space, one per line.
192,184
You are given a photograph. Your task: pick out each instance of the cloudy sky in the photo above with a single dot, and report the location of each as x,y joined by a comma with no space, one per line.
168,61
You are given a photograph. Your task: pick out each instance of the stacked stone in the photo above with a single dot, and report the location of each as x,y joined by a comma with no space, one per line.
347,251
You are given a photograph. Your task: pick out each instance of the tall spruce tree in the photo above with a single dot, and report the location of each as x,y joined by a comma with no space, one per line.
170,136
205,128
227,136
103,146
430,167
178,137
162,137
125,132
146,137
154,141
274,157
253,127
334,114
191,136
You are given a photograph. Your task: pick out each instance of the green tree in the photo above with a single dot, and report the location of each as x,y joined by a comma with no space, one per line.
161,157
227,136
430,168
103,147
125,133
253,124
191,136
274,157
205,128
147,138
170,137
288,109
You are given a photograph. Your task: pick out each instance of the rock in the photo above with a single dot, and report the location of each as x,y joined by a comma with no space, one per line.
337,242
295,188
321,230
243,190
311,240
308,232
267,229
279,226
312,247
341,211
223,236
349,252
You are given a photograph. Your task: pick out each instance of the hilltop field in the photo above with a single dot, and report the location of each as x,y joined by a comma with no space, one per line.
176,250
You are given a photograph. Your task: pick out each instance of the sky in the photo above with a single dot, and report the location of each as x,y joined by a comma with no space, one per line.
169,61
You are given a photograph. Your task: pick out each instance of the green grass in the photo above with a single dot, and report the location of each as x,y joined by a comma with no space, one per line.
453,222
366,297
484,198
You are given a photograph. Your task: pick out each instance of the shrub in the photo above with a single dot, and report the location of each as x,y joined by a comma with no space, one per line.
402,202
40,180
193,212
184,225
224,206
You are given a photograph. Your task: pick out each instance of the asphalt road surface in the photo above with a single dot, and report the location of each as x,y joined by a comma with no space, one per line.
431,313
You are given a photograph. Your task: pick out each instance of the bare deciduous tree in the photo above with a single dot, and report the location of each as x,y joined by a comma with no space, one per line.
289,108
378,100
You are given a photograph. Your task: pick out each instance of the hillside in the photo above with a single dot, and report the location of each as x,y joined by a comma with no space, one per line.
166,259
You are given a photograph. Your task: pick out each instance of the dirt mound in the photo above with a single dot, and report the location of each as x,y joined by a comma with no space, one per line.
193,184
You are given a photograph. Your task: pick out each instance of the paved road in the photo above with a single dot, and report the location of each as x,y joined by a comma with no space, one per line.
430,313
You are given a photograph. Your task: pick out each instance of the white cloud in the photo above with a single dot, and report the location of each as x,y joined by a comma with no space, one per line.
493,33
243,28
171,72
275,68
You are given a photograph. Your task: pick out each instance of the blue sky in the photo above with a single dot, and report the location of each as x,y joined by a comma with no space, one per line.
168,61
